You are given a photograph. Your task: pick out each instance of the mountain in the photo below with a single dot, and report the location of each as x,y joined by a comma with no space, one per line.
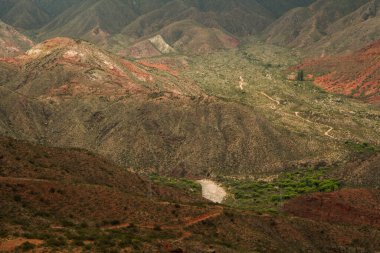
327,26
117,137
192,23
12,42
32,14
356,75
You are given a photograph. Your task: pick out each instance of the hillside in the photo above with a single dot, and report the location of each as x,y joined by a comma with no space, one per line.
51,202
120,109
356,75
187,37
12,42
327,27
192,126
32,14
119,22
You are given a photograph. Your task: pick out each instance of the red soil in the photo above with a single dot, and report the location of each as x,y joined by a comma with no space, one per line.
139,73
11,244
356,75
159,66
347,206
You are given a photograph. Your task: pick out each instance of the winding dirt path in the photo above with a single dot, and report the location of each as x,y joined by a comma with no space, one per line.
327,133
187,223
242,83
270,98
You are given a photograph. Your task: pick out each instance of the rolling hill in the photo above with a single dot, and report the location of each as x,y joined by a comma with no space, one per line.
327,27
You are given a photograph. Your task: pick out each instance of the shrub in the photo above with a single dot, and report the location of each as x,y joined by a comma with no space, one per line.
26,246
157,227
300,75
56,242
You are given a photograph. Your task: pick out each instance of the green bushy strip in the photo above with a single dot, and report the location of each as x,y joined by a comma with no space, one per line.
362,148
263,196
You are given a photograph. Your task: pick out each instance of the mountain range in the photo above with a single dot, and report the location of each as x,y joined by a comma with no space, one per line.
111,111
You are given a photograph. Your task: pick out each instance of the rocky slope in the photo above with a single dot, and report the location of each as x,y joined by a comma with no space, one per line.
12,42
51,202
140,114
356,75
327,27
348,206
101,21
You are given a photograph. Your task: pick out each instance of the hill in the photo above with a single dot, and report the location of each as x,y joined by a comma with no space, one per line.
140,114
51,202
327,27
356,75
12,42
186,37
30,15
124,23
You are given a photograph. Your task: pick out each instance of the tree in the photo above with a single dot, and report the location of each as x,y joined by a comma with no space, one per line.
300,75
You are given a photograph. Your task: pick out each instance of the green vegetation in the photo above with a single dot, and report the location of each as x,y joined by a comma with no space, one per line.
181,183
300,75
268,196
361,148
26,246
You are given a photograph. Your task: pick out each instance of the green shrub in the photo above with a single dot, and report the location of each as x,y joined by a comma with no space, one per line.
26,246
300,75
56,242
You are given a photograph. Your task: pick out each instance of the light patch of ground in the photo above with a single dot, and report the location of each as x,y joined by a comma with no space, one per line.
212,191
34,52
242,83
161,44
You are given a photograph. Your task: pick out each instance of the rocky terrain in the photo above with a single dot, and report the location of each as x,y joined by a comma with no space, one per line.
356,75
12,42
50,201
320,27
189,126
139,114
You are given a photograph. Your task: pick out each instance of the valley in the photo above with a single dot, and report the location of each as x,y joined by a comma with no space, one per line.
189,126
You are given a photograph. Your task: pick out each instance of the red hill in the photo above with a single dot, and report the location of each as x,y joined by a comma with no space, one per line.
356,75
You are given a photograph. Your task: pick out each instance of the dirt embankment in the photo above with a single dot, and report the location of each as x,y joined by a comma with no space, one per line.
347,206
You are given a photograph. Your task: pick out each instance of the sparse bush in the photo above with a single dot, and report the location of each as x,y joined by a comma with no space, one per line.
300,75
56,242
3,233
157,227
26,246
115,222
